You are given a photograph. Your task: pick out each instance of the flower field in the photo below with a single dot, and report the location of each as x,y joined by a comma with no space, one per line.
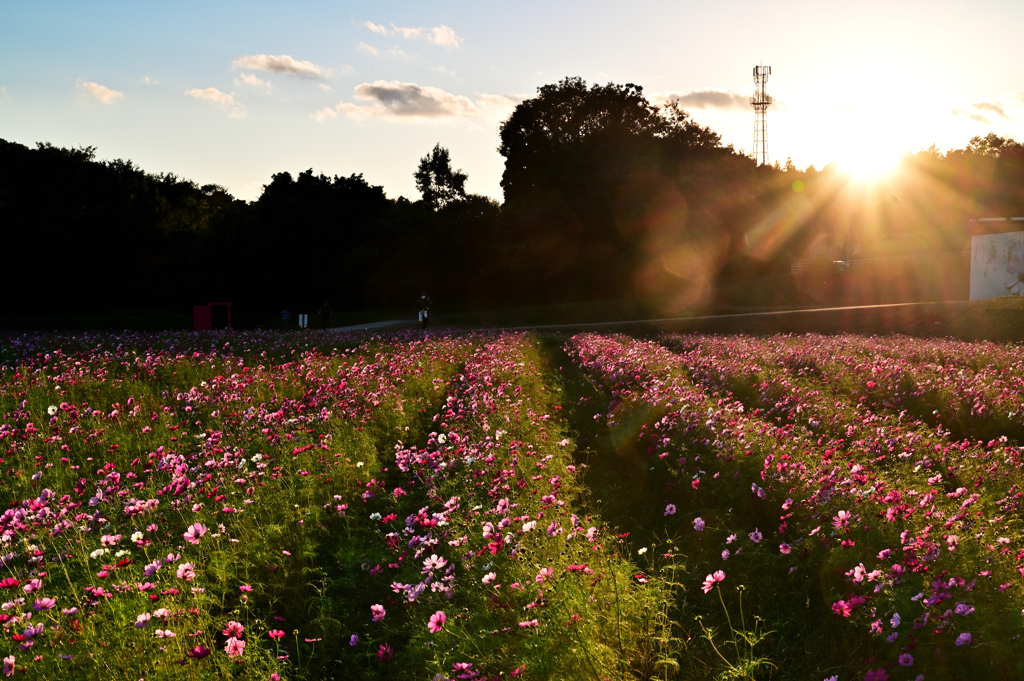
260,505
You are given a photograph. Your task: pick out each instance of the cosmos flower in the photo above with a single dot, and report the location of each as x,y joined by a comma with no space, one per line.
437,621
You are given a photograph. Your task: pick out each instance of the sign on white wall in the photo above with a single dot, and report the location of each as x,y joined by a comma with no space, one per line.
997,265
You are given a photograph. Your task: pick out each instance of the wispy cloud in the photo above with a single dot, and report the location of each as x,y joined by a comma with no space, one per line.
707,98
986,111
252,79
442,36
222,100
368,49
325,87
100,92
284,64
376,28
398,100
150,81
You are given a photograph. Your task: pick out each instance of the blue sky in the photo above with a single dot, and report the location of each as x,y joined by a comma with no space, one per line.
231,92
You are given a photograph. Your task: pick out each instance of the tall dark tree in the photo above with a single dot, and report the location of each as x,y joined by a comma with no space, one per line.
439,184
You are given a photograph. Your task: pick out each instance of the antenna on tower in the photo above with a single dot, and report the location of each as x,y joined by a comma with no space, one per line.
761,101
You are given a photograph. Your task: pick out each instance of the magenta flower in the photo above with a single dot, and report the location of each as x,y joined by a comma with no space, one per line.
670,509
275,634
906,659
785,548
353,640
385,653
194,532
245,588
378,612
755,536
437,621
698,524
234,647
877,675
233,629
713,579
963,639
199,652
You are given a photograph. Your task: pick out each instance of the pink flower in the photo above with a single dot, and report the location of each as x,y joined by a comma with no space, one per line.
906,659
385,653
233,629
234,647
186,571
877,675
378,612
9,665
712,579
44,604
544,575
435,562
245,588
785,548
275,634
963,639
529,623
466,670
489,577
698,524
755,536
194,532
670,509
437,621
142,620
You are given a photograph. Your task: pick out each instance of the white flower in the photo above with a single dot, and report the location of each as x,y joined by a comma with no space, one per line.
51,410
642,551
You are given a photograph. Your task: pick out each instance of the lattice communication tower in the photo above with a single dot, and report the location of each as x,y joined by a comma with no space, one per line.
761,101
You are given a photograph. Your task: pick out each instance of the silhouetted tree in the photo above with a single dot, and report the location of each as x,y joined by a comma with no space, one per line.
439,184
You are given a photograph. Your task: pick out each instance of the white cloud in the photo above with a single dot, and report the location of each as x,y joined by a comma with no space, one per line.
283,63
407,32
443,36
369,49
100,92
325,87
252,79
398,100
991,110
498,106
150,81
707,98
223,100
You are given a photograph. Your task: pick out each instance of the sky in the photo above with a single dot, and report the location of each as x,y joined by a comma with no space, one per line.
230,92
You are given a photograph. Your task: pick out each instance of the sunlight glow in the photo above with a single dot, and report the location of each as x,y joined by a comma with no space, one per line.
868,164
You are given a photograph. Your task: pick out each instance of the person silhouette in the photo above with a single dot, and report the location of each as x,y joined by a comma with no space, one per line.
425,303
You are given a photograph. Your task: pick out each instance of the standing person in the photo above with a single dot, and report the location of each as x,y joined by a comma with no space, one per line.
424,310
325,315
286,317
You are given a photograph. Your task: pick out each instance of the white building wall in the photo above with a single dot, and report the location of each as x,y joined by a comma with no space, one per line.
997,265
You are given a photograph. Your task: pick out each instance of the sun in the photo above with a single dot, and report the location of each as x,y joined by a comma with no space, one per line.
868,164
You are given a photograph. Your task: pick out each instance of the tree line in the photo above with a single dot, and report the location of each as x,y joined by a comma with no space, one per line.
606,196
